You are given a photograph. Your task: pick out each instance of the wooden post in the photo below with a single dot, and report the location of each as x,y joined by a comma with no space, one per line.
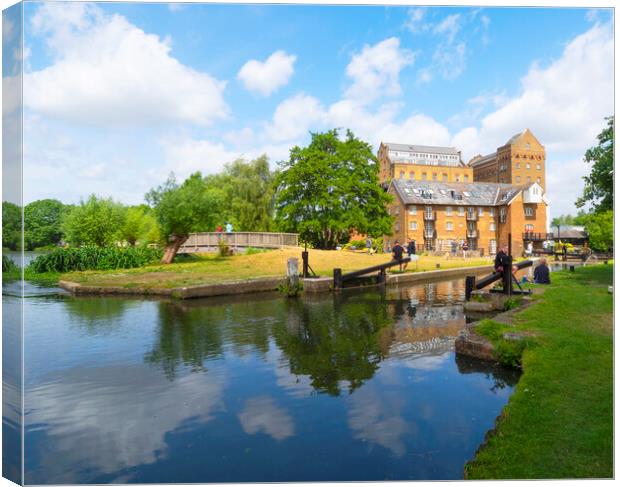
337,278
470,282
304,259
572,268
507,277
292,273
510,244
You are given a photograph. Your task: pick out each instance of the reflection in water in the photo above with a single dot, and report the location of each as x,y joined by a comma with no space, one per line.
222,390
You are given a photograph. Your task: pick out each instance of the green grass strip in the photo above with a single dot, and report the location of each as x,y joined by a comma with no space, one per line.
559,421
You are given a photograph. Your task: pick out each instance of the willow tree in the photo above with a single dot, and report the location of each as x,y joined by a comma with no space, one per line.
183,209
330,188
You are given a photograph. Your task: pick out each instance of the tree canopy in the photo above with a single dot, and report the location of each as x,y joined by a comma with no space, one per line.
330,188
599,187
248,190
600,229
42,223
96,221
11,226
181,209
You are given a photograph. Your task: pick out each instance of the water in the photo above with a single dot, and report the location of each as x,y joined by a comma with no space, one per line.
359,386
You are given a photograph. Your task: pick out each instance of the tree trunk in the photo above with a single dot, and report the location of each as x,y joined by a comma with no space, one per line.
173,247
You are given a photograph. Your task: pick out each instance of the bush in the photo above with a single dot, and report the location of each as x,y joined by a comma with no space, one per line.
8,264
94,258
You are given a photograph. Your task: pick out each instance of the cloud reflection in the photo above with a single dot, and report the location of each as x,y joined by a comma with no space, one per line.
261,414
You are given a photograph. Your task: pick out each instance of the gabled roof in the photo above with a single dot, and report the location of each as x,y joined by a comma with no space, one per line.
454,194
480,160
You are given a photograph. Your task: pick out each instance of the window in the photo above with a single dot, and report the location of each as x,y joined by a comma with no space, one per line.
492,226
529,179
423,176
413,225
538,180
491,211
397,210
413,210
518,165
502,215
538,166
444,177
449,226
402,174
461,211
466,178
529,211
518,179
529,227
527,166
411,175
397,227
481,211
434,176
448,211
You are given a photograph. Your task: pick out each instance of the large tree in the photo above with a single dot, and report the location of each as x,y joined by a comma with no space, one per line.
96,221
140,226
329,188
42,223
181,209
599,187
248,189
11,226
600,229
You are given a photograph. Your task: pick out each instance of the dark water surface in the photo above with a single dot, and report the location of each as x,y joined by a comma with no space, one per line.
359,386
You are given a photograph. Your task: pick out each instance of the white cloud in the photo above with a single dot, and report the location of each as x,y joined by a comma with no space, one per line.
266,77
108,72
294,117
375,71
448,27
415,21
449,60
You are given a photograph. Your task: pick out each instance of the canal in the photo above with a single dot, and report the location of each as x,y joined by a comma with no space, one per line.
364,385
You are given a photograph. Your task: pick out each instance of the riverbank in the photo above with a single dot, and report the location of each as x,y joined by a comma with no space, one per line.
211,269
559,421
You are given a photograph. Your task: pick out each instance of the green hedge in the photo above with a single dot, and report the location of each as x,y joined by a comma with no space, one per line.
95,258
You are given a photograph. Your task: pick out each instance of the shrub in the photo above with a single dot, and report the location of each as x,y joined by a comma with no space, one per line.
8,264
94,258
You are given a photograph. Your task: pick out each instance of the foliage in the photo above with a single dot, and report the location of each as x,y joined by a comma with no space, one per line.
42,223
600,230
599,187
94,258
569,220
140,225
8,264
96,221
507,351
11,226
558,246
248,190
512,303
329,188
223,249
559,421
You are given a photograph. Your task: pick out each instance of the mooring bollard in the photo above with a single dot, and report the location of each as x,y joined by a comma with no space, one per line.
571,268
470,282
337,278
292,272
437,266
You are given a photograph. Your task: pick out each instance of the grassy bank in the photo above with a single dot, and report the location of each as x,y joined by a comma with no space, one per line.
206,269
559,421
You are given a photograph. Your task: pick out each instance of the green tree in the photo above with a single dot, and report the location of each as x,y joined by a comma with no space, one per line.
563,220
11,226
42,223
96,221
329,188
599,187
248,189
600,230
140,225
182,209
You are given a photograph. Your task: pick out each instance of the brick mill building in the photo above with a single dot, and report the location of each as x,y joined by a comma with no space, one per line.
441,202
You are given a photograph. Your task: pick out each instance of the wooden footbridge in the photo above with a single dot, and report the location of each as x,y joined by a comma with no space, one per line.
210,241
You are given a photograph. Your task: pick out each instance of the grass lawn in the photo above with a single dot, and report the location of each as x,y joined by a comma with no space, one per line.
207,268
559,421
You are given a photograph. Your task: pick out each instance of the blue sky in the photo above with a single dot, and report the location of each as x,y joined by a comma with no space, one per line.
118,95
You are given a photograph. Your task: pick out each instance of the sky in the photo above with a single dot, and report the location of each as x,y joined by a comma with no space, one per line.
118,95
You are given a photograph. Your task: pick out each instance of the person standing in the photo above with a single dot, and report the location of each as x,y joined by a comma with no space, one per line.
229,227
501,259
397,253
369,245
529,249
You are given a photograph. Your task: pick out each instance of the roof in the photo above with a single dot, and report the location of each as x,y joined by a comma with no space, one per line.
514,138
482,159
465,194
451,151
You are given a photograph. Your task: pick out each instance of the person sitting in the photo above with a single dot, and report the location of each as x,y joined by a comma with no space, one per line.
541,273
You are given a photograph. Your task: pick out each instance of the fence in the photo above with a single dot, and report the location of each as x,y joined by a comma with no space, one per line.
201,242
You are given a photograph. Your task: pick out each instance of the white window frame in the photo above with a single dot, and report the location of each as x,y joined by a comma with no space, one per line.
448,211
492,227
449,226
529,211
461,211
413,210
480,211
491,211
413,225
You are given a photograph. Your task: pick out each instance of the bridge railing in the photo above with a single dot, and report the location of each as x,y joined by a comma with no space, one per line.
240,239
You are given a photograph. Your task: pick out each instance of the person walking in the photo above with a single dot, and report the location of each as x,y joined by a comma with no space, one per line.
410,252
369,245
397,253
